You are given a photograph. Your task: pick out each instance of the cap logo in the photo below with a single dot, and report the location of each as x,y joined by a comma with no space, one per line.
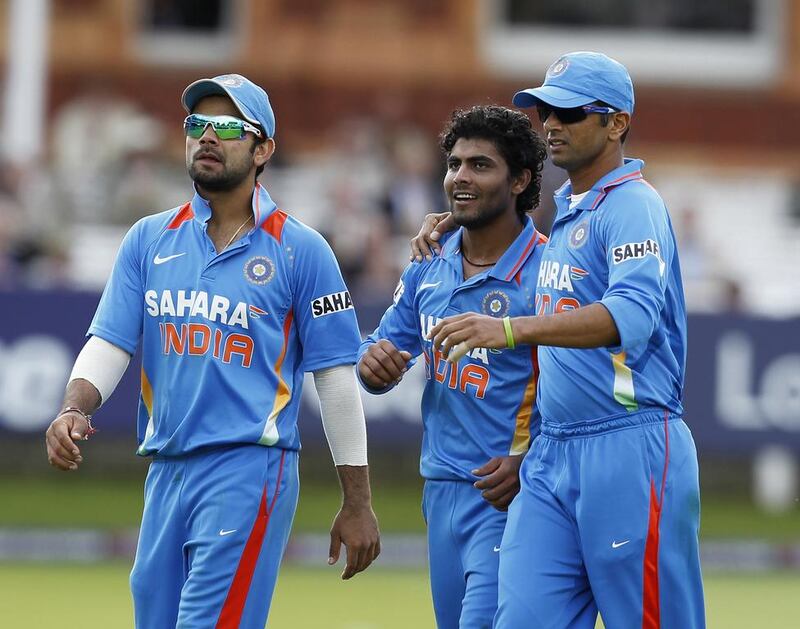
559,67
231,80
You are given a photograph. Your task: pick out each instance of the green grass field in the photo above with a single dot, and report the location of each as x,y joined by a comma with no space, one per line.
62,500
96,597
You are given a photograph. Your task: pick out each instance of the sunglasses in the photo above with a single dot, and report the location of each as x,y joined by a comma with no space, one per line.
572,114
226,127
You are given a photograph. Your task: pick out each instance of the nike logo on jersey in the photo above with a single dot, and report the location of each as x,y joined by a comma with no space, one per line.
159,260
618,544
425,285
496,549
223,532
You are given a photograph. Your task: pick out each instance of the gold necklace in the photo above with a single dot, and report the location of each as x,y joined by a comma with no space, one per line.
236,233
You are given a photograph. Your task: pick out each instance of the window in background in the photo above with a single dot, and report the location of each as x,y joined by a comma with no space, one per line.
709,42
189,32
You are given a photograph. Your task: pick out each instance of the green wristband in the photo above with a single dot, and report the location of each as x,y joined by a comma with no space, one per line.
509,333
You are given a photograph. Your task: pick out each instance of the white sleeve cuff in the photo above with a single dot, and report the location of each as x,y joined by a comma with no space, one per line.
342,414
102,364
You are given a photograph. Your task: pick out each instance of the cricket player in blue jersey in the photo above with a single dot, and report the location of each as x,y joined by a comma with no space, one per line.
232,300
478,415
608,515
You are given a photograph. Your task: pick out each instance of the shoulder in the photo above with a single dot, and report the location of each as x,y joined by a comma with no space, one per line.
633,200
286,229
148,228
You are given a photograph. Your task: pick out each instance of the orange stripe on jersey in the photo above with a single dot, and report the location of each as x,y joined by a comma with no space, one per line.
283,394
616,182
147,393
184,214
522,431
274,224
518,265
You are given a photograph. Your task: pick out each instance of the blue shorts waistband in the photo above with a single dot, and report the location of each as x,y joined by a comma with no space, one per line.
591,427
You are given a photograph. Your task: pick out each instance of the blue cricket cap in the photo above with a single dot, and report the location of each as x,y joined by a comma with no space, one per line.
251,100
579,78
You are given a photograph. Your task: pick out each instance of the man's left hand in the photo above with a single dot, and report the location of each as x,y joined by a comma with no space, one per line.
357,529
500,482
459,334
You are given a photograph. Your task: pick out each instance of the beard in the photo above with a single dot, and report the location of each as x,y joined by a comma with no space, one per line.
231,176
477,217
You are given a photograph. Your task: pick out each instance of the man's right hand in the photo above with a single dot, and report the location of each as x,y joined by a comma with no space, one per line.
383,365
426,243
61,436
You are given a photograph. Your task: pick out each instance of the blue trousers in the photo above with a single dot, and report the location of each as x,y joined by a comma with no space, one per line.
607,519
214,529
464,533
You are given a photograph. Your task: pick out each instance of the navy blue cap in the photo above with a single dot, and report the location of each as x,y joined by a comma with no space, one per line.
579,78
251,100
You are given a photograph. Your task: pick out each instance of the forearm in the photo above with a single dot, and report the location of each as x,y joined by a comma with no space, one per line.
81,394
587,327
354,480
342,415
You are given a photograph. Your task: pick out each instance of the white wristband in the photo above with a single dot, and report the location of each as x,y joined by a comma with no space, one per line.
342,414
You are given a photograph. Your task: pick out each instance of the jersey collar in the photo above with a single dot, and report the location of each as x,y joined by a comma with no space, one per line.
262,205
510,262
630,170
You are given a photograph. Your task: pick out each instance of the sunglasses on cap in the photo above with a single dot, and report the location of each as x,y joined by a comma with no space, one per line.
226,127
572,114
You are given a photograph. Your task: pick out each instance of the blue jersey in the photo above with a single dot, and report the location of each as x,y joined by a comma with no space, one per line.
225,337
616,247
482,406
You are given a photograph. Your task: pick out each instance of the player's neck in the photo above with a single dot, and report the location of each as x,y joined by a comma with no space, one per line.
584,177
487,244
230,206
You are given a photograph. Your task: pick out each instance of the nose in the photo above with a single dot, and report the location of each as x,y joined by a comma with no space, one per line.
209,135
551,122
461,174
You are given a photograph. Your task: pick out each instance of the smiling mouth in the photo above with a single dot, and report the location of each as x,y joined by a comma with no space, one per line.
464,197
555,143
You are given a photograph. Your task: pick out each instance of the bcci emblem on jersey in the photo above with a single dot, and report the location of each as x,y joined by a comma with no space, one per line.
495,304
579,235
259,270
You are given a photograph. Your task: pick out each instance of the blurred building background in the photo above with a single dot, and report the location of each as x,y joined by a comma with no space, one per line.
92,140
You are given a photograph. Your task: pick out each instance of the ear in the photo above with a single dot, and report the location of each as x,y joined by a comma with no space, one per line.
263,152
618,123
521,181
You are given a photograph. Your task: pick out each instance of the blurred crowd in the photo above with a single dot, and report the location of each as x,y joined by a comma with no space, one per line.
366,187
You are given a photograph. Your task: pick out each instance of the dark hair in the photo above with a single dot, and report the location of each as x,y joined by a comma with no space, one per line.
604,119
512,135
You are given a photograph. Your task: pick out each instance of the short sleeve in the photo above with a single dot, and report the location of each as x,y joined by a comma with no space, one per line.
639,250
118,318
323,308
399,324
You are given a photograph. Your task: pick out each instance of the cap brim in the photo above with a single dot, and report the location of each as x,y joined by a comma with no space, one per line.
209,87
551,95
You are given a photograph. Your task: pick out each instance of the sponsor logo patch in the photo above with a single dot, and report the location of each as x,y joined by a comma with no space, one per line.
259,270
328,304
636,251
495,304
